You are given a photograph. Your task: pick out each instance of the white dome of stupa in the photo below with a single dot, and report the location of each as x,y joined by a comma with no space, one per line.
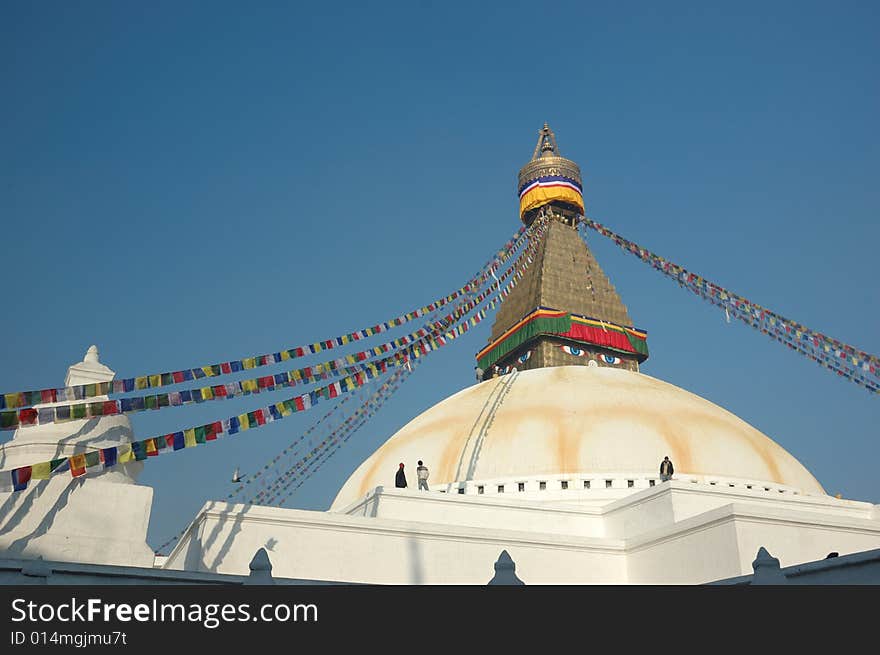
577,421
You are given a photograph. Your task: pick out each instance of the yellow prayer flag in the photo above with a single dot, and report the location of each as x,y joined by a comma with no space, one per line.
209,371
243,421
141,382
41,471
189,438
249,362
285,355
155,380
207,393
124,454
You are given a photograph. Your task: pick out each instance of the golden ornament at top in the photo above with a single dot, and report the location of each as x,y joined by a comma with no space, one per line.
546,160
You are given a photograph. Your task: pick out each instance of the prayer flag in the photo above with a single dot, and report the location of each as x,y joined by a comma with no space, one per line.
93,460
59,465
139,449
41,471
110,456
77,465
124,454
21,477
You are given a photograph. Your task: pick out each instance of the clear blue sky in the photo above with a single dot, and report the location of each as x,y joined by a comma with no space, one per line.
184,183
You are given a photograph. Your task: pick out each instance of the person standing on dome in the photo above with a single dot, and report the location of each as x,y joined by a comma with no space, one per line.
400,478
666,469
422,475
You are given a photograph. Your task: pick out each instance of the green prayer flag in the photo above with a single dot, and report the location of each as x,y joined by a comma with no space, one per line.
139,448
8,419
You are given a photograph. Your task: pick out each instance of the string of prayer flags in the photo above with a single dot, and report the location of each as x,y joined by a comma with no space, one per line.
23,399
843,359
336,438
19,478
347,365
350,423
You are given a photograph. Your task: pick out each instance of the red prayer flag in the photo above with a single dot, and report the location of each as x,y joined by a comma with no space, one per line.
225,368
48,395
77,465
20,477
27,416
110,408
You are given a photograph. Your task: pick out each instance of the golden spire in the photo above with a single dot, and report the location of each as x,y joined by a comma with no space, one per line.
542,181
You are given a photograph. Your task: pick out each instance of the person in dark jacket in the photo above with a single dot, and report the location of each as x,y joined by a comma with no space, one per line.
400,478
666,469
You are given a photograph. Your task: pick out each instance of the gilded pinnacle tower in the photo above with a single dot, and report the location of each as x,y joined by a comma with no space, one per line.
565,311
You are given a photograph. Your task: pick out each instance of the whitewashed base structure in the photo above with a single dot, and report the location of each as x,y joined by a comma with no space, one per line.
677,532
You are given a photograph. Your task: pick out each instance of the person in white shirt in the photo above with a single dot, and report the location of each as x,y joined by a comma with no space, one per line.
422,475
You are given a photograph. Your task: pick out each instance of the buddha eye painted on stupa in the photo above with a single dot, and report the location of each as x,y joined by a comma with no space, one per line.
593,355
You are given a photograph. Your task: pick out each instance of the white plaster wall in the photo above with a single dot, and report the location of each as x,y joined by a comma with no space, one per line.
327,546
679,500
685,555
795,538
502,512
78,520
722,543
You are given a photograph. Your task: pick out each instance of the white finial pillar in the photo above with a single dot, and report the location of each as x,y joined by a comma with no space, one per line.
100,517
89,371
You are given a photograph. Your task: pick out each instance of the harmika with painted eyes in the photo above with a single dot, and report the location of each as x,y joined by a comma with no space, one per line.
575,351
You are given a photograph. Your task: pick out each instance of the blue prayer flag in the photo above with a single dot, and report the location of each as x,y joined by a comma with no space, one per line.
109,456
